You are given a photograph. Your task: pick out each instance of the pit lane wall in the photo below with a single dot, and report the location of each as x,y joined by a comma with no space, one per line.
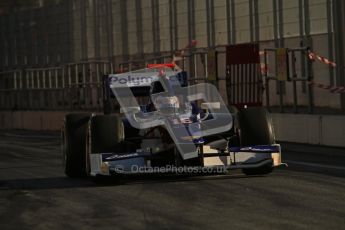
300,128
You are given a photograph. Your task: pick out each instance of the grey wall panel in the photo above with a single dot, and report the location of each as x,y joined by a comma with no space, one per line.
103,28
200,23
132,28
77,30
147,26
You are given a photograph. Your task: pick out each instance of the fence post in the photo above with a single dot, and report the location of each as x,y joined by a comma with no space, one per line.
310,87
294,76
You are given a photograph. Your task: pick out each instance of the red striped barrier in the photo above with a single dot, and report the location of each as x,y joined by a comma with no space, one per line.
314,56
179,56
332,89
168,65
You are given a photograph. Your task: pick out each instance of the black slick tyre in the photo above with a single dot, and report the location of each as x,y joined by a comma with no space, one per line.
73,143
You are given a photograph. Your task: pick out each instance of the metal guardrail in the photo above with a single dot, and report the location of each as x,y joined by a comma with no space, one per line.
75,86
78,86
292,76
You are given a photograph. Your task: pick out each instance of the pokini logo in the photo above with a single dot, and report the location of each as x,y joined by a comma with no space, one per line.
130,81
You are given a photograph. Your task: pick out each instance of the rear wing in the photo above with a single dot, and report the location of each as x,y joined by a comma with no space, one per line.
145,77
139,78
139,81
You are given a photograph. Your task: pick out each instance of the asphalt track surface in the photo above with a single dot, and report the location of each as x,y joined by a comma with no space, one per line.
35,194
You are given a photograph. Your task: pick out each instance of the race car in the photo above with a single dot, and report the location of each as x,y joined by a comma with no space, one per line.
166,126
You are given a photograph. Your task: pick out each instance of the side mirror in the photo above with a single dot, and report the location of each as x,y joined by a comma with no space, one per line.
130,110
207,106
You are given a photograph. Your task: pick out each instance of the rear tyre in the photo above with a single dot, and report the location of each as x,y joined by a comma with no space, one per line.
73,143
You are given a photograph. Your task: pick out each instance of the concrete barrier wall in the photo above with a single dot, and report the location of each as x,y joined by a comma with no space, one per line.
311,129
31,120
301,128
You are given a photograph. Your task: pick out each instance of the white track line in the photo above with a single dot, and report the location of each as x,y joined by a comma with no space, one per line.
48,136
316,165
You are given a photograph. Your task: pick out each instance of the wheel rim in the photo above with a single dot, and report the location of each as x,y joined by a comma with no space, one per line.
63,149
87,152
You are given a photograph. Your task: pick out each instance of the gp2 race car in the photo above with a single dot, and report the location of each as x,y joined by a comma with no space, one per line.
153,134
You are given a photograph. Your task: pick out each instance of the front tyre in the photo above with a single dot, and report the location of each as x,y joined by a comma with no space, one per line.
73,144
255,128
266,169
